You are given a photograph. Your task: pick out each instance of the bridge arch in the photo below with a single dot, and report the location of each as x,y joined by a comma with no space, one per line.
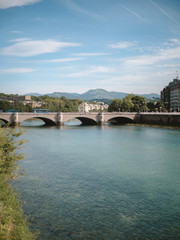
85,121
46,121
121,120
4,120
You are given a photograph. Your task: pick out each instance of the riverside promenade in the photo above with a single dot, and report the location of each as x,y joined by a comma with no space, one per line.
94,118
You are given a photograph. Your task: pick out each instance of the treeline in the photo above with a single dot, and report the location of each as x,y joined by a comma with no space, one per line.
58,104
131,103
19,106
134,103
12,96
55,104
13,225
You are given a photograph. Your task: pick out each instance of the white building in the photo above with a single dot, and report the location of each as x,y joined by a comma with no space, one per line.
86,107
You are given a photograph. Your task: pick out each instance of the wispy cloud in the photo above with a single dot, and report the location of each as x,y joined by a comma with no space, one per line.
121,45
134,13
162,55
32,48
16,3
175,41
16,32
19,40
92,70
90,54
60,60
17,70
165,13
76,8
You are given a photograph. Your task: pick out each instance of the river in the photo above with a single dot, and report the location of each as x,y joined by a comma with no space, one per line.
102,183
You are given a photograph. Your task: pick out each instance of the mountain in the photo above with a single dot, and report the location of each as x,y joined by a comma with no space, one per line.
64,94
101,93
34,94
150,95
95,94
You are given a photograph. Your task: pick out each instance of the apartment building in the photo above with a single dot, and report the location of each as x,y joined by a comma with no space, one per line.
170,96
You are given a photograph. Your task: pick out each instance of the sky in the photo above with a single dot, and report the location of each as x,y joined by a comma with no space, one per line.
47,46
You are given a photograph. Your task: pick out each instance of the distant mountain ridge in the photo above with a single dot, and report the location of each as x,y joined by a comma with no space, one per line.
94,94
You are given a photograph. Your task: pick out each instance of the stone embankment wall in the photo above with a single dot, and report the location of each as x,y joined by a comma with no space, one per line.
168,119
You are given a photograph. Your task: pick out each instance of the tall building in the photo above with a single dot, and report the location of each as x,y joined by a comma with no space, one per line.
165,97
170,96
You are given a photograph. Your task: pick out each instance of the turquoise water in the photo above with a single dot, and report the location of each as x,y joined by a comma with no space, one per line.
103,183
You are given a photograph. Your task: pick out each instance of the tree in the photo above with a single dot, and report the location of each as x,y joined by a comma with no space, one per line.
140,103
160,106
127,104
115,105
8,147
13,225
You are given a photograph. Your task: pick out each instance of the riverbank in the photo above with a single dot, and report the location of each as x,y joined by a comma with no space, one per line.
153,126
13,224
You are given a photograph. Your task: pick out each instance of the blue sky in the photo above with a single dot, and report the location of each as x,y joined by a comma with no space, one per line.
46,46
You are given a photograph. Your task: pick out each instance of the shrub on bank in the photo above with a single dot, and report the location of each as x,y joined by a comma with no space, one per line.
13,225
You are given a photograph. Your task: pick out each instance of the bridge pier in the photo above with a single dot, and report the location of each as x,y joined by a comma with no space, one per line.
100,119
60,121
14,119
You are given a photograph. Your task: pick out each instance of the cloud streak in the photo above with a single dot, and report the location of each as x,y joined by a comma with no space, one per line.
92,70
134,13
165,13
16,3
162,55
33,48
16,70
60,60
90,54
121,45
76,8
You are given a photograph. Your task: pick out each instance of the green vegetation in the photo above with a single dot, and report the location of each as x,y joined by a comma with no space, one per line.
58,104
13,225
62,104
134,103
115,105
20,107
8,95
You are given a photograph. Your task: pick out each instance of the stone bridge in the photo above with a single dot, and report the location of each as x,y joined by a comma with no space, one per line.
94,118
59,118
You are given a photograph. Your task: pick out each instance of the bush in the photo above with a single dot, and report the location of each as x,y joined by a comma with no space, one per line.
13,225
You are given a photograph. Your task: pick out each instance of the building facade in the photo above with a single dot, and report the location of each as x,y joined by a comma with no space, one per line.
170,96
87,107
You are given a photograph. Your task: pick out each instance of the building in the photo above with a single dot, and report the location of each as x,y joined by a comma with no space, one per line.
165,97
170,96
175,95
87,107
24,98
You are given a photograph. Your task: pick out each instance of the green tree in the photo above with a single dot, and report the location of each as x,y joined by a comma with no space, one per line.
8,147
13,225
160,106
115,105
151,106
127,104
140,103
156,106
5,105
